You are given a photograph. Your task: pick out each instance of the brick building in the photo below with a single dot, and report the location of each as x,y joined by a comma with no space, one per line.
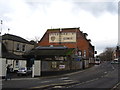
71,38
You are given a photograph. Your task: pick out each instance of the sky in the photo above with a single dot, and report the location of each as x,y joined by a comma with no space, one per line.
31,18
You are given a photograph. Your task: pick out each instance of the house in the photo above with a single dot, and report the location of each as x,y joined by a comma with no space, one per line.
15,48
71,38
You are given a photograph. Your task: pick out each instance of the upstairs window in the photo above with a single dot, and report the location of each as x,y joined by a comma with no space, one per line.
23,48
18,47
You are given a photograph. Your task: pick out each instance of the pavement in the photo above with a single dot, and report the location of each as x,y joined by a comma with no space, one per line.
28,77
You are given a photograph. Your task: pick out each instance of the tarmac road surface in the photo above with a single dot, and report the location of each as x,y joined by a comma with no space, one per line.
104,76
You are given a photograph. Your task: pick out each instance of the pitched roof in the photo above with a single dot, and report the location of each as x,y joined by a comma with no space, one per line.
62,30
51,47
14,38
56,51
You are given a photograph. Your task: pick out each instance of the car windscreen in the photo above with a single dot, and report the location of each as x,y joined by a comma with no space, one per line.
21,68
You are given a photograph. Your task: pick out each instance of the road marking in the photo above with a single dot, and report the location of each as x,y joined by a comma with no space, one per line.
45,81
57,84
116,86
105,72
82,83
113,68
64,78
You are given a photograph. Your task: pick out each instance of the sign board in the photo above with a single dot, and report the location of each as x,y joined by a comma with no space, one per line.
62,37
61,66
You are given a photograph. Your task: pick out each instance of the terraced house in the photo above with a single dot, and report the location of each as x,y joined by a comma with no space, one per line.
14,47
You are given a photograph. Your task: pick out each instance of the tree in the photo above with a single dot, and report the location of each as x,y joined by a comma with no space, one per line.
35,41
107,54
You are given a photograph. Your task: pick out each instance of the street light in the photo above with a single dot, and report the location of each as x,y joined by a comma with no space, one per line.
1,40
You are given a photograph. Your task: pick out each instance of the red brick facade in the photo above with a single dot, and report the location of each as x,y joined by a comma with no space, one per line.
82,44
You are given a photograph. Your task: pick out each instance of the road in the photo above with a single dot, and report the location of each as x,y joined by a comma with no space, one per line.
103,76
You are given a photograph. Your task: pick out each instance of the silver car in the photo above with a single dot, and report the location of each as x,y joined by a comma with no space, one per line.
23,71
115,61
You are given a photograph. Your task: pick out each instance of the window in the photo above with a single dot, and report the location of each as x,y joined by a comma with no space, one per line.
23,48
17,63
18,47
84,53
54,64
80,53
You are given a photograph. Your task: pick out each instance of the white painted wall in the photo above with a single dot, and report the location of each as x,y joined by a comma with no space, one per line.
21,63
37,68
2,67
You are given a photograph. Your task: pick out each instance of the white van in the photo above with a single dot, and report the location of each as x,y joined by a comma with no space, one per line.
97,61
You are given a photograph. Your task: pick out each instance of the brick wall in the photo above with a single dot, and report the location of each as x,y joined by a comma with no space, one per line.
81,43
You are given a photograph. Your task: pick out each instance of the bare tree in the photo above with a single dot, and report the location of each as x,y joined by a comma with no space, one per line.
35,41
107,54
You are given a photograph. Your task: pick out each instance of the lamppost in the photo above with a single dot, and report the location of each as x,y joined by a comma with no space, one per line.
1,40
1,69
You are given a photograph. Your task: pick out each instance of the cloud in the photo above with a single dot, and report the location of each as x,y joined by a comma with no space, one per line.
97,8
30,18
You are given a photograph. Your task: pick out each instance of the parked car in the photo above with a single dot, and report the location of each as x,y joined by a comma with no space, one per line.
115,61
24,71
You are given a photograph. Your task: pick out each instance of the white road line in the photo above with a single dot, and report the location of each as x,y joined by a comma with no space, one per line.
64,78
58,87
45,81
113,68
116,86
82,83
105,72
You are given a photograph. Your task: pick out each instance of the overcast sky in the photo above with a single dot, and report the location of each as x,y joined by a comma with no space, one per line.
31,18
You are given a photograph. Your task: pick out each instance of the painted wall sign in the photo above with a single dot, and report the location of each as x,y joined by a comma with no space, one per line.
62,37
